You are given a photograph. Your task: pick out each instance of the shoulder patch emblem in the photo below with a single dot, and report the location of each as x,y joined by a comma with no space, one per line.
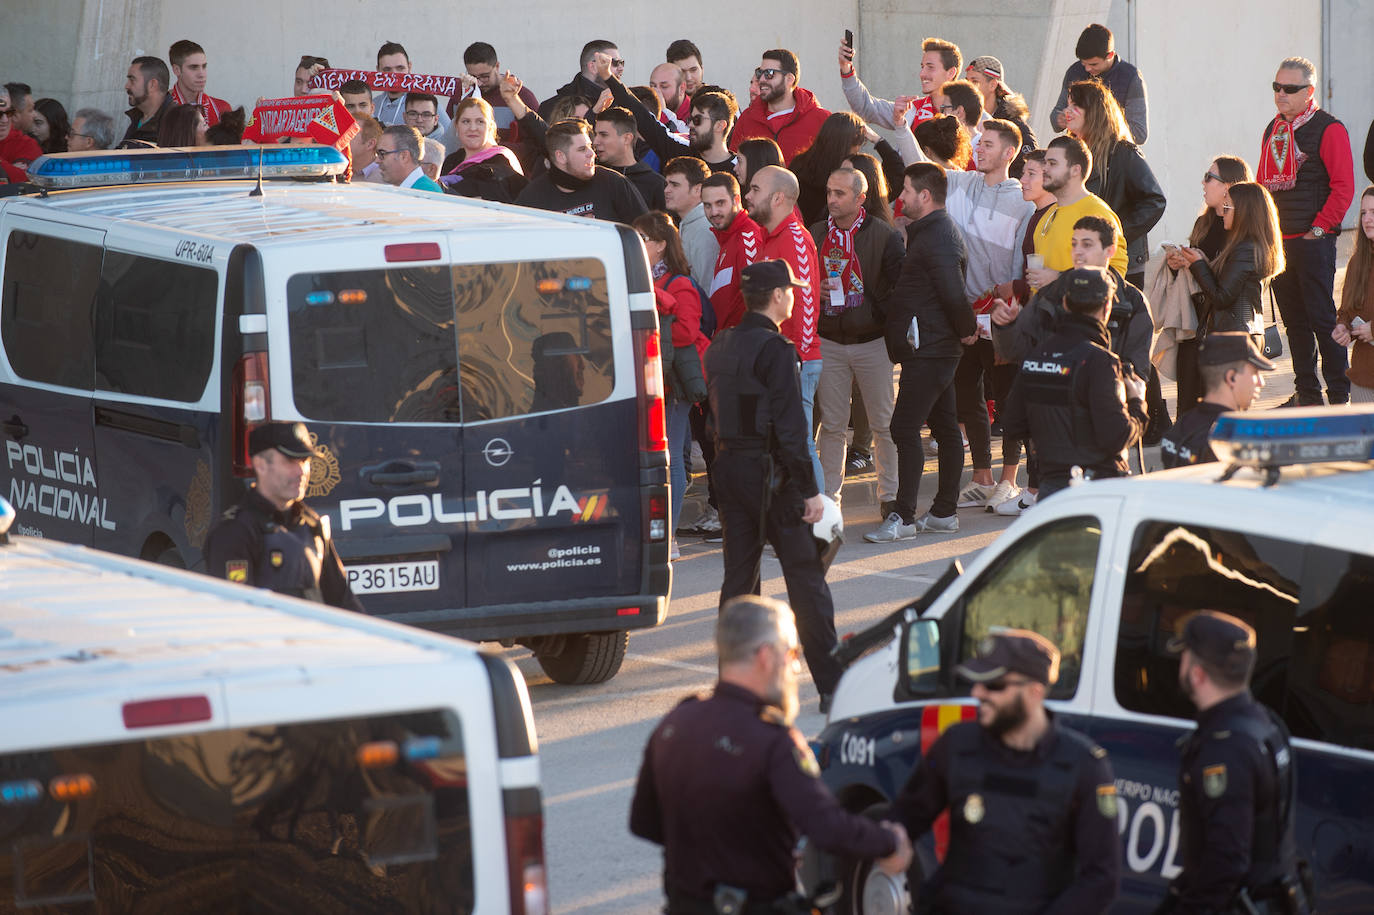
276,559
974,809
236,570
1106,801
1214,781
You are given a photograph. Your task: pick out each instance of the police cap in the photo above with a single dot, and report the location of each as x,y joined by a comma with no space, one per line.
765,276
291,439
1218,639
1087,286
1013,651
1231,346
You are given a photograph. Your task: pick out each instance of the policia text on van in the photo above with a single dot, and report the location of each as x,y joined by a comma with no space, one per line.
481,383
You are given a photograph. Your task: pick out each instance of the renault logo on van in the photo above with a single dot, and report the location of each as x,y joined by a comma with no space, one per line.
498,452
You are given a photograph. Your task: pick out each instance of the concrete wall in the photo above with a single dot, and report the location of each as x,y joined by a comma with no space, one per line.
1207,65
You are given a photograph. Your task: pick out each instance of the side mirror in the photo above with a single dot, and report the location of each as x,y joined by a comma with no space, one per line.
923,657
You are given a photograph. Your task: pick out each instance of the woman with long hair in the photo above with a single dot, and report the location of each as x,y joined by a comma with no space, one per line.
679,302
50,125
877,202
183,125
1209,237
481,167
1355,320
1231,282
842,133
754,155
1000,102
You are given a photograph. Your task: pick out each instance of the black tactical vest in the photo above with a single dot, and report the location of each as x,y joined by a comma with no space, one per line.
739,398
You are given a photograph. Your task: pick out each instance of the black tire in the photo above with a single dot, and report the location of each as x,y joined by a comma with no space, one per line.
592,657
853,873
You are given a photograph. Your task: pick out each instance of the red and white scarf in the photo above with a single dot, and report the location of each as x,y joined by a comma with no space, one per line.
838,258
1279,164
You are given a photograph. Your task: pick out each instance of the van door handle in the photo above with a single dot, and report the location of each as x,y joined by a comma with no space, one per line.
16,428
401,473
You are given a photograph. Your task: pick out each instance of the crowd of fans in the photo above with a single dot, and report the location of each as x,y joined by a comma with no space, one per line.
946,250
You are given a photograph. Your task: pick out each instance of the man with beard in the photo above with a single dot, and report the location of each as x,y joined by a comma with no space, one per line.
576,185
783,111
739,238
146,86
1032,804
713,115
1237,785
667,81
728,785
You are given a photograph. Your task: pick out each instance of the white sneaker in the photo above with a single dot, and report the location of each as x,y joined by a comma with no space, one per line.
674,554
1005,490
892,529
933,525
709,521
1014,507
975,495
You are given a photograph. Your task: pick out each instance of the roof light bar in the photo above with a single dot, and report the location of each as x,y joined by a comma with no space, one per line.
101,168
1280,438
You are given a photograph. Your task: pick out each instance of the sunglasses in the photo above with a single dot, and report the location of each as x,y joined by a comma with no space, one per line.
1212,176
617,61
1001,683
699,119
771,72
10,113
383,153
1290,89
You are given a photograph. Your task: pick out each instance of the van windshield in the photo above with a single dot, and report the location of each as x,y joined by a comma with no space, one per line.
356,815
447,344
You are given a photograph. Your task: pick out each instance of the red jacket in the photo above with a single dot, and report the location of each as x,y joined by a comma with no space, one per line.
18,147
794,131
678,297
739,247
791,242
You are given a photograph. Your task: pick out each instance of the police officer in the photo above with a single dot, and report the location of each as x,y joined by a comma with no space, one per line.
1072,396
727,784
1237,784
1032,804
271,539
763,472
1230,365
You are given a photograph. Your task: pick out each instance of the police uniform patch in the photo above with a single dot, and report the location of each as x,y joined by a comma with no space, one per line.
806,760
973,809
236,570
1106,801
276,559
1214,780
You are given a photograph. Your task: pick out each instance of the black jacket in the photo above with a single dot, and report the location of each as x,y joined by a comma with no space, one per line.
1134,195
878,246
579,86
606,195
1233,299
931,289
145,129
493,179
648,182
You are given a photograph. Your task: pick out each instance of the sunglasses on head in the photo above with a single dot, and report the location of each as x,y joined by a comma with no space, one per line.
769,73
1290,89
1001,683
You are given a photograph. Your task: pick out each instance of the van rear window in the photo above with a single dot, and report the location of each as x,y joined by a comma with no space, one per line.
459,343
282,818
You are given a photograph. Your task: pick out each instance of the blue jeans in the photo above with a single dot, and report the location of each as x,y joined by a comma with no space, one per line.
810,378
678,427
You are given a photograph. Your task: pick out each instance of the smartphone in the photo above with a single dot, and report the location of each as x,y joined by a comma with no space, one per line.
849,37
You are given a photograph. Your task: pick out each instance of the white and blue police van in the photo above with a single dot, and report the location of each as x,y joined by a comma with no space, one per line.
174,743
482,381
1278,534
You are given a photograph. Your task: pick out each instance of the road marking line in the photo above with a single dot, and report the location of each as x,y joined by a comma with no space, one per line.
668,662
593,791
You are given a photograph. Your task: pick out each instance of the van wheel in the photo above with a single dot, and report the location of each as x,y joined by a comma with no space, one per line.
592,657
866,890
170,557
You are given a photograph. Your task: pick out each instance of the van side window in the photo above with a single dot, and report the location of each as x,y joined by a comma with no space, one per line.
50,285
533,336
155,327
1043,583
1176,569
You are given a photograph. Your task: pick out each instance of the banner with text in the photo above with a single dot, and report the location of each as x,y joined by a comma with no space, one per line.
390,82
321,118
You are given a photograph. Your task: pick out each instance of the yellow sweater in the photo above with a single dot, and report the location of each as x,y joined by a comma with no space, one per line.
1055,232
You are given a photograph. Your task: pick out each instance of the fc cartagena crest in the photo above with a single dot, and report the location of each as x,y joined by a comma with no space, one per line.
324,470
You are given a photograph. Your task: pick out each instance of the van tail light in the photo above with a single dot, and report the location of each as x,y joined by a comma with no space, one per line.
653,423
251,405
657,518
529,888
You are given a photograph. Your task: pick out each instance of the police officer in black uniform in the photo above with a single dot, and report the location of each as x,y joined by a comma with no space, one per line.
763,474
271,539
727,784
1072,396
1230,365
1237,785
1032,804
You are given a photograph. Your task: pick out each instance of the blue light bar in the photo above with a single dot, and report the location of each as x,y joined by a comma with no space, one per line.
1278,438
101,168
577,283
21,791
418,748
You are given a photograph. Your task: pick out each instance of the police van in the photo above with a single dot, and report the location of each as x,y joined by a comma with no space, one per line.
1278,536
174,743
481,380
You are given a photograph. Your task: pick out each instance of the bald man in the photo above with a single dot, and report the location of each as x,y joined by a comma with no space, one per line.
667,80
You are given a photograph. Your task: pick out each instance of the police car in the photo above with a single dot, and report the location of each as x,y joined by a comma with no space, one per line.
1278,534
174,743
483,382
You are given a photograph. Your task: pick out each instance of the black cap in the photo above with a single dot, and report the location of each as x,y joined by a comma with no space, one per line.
291,439
1013,651
765,276
1218,639
1087,286
1231,346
